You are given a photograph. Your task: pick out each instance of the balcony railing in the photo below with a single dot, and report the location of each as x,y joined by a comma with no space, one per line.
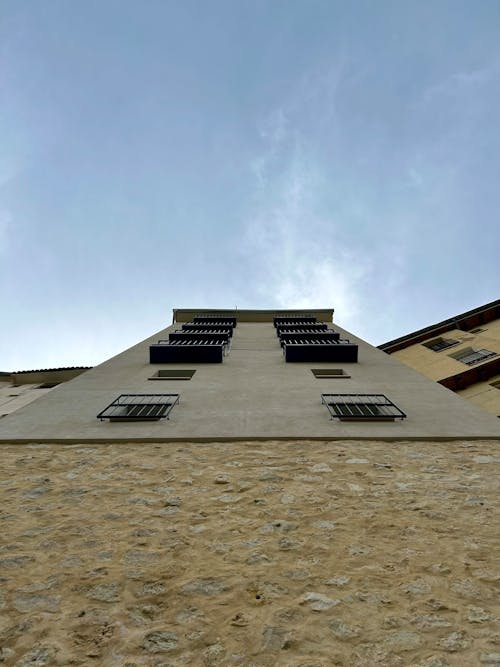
355,407
193,351
305,339
139,407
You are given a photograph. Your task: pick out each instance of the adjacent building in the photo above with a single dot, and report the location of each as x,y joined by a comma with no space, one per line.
461,353
23,387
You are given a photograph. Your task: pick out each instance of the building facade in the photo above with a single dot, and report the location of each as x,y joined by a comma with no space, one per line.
249,489
249,374
461,353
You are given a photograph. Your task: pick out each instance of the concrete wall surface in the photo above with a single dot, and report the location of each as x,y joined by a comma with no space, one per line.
253,394
13,397
276,554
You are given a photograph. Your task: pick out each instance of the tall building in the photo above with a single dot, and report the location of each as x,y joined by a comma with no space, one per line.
461,353
236,378
249,488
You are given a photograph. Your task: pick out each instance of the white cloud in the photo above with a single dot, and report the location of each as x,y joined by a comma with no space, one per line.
295,252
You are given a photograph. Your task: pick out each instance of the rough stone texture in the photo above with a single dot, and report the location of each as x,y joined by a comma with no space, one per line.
317,553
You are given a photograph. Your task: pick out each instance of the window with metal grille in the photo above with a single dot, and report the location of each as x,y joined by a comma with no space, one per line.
293,320
471,357
215,319
204,327
355,407
438,344
139,407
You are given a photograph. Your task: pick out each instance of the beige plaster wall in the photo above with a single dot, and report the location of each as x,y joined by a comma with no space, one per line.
13,397
253,394
250,554
20,389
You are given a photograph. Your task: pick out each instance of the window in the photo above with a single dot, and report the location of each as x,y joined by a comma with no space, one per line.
139,407
360,407
438,344
470,356
496,384
476,331
47,385
329,373
177,374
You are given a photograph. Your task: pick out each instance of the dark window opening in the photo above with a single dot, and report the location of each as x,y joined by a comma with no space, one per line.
173,374
439,344
329,373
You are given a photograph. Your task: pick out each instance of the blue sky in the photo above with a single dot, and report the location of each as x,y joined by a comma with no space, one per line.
294,154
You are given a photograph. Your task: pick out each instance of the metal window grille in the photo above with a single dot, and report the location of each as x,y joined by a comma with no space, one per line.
313,340
186,342
215,319
284,330
294,321
304,337
139,407
188,334
475,356
356,407
441,344
222,327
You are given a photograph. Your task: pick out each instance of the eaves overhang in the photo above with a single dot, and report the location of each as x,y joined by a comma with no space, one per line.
465,321
480,373
187,314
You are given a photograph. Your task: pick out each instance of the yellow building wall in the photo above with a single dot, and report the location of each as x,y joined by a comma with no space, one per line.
439,365
484,395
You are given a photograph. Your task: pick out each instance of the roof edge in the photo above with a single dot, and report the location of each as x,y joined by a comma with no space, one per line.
465,321
250,315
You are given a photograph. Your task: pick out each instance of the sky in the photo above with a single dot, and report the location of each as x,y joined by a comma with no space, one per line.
279,154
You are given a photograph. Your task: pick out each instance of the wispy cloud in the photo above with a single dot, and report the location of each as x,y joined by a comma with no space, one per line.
461,83
5,223
293,249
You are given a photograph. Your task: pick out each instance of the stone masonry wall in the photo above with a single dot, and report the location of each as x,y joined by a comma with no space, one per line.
252,554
